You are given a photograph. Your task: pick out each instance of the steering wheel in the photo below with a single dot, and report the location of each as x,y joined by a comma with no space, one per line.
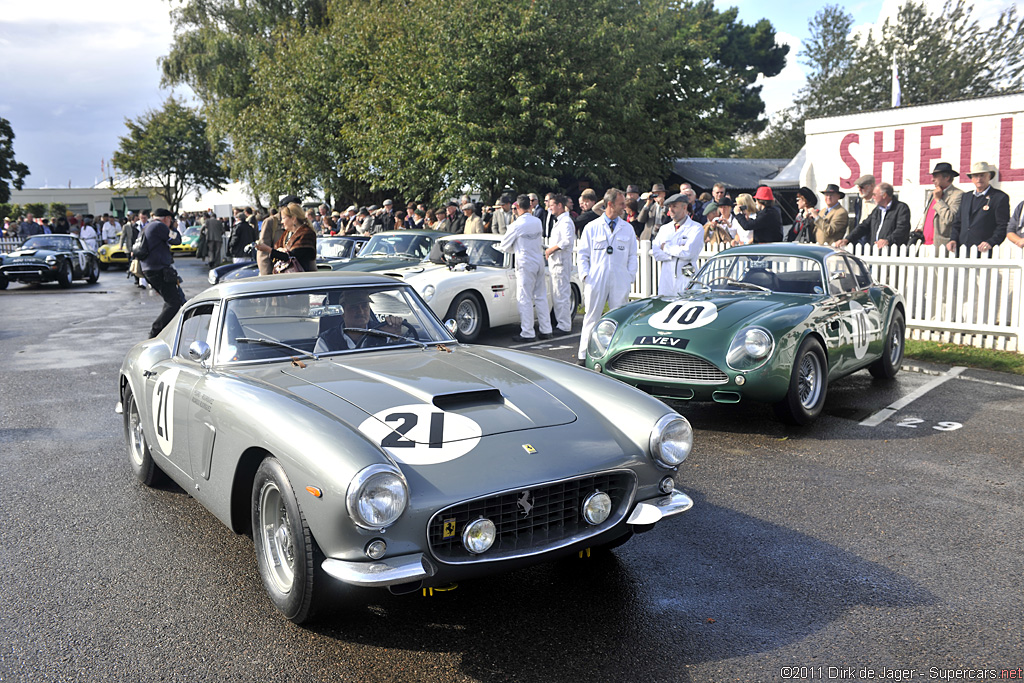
738,283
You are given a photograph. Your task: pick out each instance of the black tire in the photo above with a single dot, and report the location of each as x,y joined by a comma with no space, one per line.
888,365
288,557
808,385
4,282
104,266
64,275
469,316
146,471
94,274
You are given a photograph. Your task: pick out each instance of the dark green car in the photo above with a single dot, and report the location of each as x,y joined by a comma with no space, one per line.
773,323
50,258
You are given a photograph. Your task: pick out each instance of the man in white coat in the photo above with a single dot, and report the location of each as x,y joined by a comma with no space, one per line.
524,239
607,261
677,244
559,255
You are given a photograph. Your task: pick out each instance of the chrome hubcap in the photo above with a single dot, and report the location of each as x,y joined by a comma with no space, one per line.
809,381
896,355
467,318
137,445
278,547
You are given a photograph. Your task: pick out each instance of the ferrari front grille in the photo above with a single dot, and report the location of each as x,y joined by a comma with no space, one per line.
531,519
667,365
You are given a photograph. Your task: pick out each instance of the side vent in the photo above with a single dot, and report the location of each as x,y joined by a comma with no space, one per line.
469,399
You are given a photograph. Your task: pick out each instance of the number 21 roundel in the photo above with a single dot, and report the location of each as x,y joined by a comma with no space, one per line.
421,434
684,315
163,410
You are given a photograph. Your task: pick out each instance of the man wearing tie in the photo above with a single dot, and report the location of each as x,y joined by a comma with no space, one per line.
984,214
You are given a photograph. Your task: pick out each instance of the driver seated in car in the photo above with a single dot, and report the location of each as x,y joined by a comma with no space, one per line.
357,316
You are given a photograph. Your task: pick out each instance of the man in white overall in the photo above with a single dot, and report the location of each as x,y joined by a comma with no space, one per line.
677,245
559,255
524,240
607,261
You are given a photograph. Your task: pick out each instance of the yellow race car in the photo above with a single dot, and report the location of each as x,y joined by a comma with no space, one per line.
112,255
189,242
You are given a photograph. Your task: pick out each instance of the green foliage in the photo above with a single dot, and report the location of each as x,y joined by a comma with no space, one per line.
12,211
425,97
57,209
36,209
12,173
169,149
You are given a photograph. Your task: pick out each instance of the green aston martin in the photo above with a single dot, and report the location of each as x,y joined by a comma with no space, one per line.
770,322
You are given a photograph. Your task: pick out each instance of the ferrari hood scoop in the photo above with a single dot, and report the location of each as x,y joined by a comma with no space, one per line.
427,397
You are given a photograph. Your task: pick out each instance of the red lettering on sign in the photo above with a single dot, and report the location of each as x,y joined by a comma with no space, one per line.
1006,169
928,152
966,133
851,163
894,156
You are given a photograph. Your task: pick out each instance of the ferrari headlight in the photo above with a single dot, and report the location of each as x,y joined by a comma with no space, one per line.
601,338
479,536
750,348
428,292
671,440
377,497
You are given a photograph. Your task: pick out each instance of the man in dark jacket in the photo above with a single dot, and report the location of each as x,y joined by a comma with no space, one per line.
242,234
888,224
158,266
983,215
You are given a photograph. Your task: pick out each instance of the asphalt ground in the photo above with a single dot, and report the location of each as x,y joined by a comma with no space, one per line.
884,543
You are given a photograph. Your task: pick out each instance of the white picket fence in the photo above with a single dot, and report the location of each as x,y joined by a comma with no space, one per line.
968,299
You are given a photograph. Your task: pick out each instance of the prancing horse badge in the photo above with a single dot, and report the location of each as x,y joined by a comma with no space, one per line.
529,449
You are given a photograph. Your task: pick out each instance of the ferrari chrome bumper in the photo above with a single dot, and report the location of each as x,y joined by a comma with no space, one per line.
657,509
379,573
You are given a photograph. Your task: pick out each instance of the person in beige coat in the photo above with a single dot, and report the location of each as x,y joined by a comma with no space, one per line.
830,222
941,208
474,224
270,231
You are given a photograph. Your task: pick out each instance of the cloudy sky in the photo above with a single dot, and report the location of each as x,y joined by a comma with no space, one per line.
71,72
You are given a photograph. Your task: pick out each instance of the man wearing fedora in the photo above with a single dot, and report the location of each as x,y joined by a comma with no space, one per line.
941,207
502,216
984,214
831,222
653,215
887,225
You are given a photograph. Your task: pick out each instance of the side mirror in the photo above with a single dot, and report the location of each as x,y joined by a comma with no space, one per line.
199,351
688,270
451,326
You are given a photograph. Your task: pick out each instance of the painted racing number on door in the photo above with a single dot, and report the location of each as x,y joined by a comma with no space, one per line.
858,329
684,315
422,434
163,410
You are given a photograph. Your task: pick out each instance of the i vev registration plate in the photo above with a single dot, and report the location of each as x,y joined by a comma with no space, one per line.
671,342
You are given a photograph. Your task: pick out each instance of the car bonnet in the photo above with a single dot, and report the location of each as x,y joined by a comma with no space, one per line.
401,391
718,312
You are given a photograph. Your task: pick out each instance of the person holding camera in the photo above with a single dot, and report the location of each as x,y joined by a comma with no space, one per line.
153,249
767,226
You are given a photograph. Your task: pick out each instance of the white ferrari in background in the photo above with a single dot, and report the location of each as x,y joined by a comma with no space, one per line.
478,289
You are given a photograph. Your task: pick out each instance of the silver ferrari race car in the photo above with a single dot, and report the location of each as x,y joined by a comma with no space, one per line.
334,418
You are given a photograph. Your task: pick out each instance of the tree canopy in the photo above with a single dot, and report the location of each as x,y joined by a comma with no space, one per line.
170,150
425,97
942,54
12,172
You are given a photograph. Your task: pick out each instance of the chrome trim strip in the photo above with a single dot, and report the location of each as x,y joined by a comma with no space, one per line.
381,573
657,509
613,519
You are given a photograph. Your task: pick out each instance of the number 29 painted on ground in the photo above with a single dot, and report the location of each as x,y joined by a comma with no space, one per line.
943,426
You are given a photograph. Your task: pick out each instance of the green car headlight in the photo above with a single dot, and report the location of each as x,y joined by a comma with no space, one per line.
601,338
671,440
377,497
750,349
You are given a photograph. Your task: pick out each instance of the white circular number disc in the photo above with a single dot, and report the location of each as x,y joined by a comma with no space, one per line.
859,329
163,410
684,315
422,434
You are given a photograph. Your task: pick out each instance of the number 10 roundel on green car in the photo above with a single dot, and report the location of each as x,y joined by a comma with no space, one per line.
773,323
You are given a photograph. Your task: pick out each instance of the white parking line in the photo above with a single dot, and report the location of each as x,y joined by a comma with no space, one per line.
887,412
546,343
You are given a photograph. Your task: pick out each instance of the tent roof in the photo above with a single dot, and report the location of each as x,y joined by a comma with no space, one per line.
736,174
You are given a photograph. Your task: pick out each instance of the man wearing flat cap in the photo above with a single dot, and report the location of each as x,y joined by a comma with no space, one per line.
654,214
677,244
830,223
865,203
502,216
158,266
984,214
941,207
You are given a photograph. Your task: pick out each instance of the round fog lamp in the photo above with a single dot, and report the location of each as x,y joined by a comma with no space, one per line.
740,380
376,548
597,507
667,485
479,536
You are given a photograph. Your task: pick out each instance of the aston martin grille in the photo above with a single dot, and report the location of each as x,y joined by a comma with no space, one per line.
667,365
531,519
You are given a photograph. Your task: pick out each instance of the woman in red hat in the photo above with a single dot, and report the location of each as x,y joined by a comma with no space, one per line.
767,226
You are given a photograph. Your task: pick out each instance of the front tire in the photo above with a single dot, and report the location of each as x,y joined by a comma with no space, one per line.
808,385
139,455
288,557
888,365
467,311
64,275
94,273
